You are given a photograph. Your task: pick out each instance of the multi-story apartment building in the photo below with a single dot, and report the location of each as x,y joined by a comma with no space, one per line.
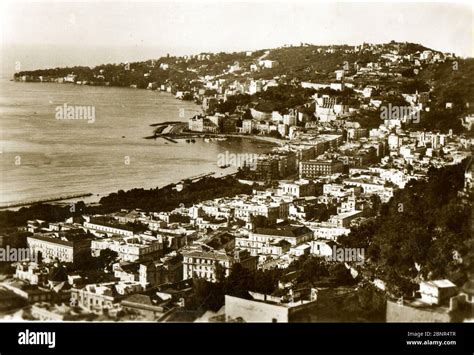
64,246
151,273
107,226
99,297
261,238
130,248
247,126
372,186
344,219
267,168
300,188
202,124
327,230
245,210
203,262
313,168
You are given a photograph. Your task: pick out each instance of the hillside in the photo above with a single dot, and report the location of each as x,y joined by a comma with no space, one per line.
393,69
306,63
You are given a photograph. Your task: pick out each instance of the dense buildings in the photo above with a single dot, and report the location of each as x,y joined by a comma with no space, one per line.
342,151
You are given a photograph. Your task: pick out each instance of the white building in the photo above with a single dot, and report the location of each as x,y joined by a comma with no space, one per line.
299,188
204,264
266,63
130,248
437,292
264,237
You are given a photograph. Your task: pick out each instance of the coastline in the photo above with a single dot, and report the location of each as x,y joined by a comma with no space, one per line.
180,135
90,196
91,199
177,131
19,204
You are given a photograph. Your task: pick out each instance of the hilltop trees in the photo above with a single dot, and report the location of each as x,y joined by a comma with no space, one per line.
422,233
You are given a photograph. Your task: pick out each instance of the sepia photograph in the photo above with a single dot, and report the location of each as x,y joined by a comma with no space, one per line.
189,162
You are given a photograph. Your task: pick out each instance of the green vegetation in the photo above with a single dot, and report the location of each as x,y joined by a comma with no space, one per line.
278,98
368,118
233,102
282,98
312,270
423,232
92,268
307,64
452,82
156,200
168,198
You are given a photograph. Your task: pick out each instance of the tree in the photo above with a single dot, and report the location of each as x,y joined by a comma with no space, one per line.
206,295
220,273
106,258
239,282
421,232
340,274
372,301
313,269
260,221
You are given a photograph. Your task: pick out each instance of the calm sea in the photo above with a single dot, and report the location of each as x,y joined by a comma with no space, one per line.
42,157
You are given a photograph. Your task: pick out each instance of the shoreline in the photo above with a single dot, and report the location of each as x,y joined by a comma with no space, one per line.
181,135
20,204
93,199
176,131
194,135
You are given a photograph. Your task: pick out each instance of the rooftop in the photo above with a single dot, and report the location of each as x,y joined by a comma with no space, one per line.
284,231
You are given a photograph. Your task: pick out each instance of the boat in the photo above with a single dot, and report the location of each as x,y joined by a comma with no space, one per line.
207,140
187,141
193,140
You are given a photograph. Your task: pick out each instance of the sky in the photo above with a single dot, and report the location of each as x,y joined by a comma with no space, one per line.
41,34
